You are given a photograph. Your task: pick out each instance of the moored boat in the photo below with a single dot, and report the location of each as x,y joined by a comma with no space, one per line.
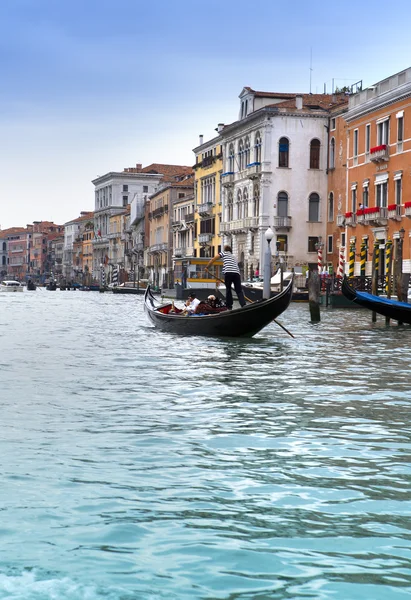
9,285
393,309
241,322
31,286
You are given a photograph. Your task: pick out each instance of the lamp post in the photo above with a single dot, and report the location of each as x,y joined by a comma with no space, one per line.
269,234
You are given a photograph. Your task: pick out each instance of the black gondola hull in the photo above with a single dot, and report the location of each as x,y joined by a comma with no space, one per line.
393,309
241,322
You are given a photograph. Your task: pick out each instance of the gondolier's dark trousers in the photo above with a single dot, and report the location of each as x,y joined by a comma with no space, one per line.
229,279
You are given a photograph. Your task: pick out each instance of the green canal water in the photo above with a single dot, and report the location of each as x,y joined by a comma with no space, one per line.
140,465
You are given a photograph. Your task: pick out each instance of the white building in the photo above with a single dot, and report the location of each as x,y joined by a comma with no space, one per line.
114,191
275,174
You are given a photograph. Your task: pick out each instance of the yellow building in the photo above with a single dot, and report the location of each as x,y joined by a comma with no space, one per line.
208,204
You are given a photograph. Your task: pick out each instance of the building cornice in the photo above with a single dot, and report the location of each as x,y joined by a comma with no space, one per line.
208,145
122,175
373,104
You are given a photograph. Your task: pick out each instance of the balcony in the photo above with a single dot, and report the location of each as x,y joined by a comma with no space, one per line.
379,153
189,218
159,212
407,207
340,220
377,215
158,248
239,225
205,238
282,222
254,170
394,212
227,178
350,219
204,210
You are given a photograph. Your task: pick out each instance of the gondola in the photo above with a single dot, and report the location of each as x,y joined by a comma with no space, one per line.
393,309
240,322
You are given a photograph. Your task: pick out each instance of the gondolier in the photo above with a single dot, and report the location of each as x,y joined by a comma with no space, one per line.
231,272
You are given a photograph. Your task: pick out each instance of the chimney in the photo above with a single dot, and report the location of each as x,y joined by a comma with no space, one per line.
299,102
220,127
201,137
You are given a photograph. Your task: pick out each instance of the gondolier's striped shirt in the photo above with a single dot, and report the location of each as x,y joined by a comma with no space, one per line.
230,264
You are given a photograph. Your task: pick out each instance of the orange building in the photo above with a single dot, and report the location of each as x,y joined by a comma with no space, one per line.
375,205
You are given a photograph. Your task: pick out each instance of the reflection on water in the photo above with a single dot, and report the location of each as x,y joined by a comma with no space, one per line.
137,464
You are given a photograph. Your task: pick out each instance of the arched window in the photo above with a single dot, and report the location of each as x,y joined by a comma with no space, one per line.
239,204
332,153
283,152
331,207
230,206
314,207
256,200
257,147
245,203
231,159
241,155
282,204
247,152
315,154
4,246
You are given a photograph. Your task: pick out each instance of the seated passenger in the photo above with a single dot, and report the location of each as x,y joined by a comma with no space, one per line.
191,304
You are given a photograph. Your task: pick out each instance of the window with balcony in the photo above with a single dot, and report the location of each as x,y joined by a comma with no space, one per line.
283,152
257,147
398,191
239,204
314,208
207,226
208,190
381,194
354,198
230,206
282,204
383,129
241,156
331,207
231,159
315,154
332,154
256,200
247,151
365,196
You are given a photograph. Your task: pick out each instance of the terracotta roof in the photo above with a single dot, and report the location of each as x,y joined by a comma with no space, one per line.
189,182
273,94
12,231
169,171
314,101
86,217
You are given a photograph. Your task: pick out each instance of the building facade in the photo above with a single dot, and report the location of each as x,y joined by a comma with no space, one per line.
376,205
275,174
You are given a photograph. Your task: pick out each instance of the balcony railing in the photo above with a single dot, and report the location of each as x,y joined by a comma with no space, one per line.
253,170
394,212
159,212
340,220
407,208
189,218
239,224
205,238
351,219
282,222
376,215
205,208
158,248
379,153
227,178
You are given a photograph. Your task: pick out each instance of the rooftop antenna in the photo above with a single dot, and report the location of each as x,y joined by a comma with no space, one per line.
311,66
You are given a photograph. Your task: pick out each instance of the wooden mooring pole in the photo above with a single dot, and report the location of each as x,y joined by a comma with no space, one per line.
314,289
375,270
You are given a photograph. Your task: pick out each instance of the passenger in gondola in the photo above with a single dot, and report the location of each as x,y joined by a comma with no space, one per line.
191,304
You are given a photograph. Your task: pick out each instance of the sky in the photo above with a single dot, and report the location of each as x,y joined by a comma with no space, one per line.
92,86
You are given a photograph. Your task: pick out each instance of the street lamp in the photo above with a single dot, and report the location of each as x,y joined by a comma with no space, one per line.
268,234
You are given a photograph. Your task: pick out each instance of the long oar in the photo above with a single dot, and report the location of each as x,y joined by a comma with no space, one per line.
249,300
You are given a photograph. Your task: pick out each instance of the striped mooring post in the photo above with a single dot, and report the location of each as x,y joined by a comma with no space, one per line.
388,262
340,271
363,257
114,276
103,277
320,258
351,260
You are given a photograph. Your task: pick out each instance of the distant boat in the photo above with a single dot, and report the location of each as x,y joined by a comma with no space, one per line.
9,285
393,309
31,286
